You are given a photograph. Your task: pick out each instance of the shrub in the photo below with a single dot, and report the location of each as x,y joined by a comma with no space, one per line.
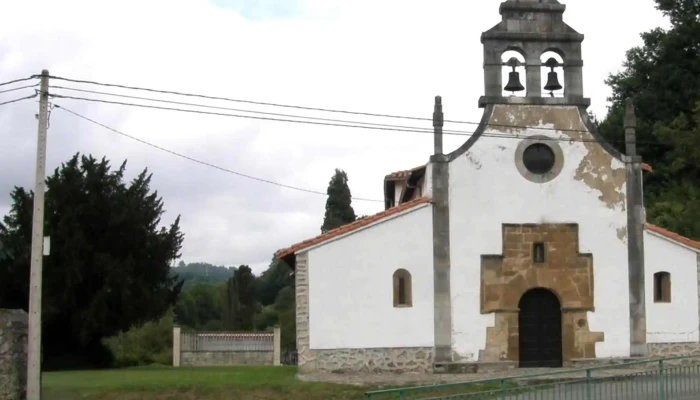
147,344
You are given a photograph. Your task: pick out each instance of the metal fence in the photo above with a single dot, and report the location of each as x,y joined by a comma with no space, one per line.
663,379
226,341
290,356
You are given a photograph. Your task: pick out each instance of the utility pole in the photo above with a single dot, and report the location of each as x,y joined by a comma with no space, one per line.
34,345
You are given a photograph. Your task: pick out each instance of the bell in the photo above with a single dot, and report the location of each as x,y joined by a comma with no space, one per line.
552,78
552,82
514,84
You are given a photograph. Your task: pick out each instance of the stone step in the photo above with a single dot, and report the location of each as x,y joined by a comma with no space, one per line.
473,367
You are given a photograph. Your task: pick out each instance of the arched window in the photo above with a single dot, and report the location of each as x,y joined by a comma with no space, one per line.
402,289
662,287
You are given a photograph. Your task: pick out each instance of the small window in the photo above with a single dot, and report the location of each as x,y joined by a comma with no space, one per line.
662,287
402,289
538,253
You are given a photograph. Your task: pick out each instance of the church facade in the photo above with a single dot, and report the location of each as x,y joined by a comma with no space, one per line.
527,246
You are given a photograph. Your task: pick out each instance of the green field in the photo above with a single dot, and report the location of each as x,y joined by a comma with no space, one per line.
161,383
217,383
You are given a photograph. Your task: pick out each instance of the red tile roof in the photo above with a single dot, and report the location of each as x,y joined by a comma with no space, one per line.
673,236
353,226
401,175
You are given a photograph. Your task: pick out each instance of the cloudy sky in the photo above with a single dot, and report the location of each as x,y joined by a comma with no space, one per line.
378,56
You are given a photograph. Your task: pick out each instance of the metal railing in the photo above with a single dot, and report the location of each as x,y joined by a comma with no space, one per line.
675,378
219,341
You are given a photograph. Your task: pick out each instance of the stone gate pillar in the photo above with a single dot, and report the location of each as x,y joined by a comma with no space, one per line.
14,326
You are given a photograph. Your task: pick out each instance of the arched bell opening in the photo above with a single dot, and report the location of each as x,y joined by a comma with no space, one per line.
552,73
514,74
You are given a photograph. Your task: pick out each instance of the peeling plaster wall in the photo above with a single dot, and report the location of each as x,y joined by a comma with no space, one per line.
677,321
351,286
487,190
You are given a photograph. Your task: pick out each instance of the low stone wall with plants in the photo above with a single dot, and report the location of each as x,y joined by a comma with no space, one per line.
14,327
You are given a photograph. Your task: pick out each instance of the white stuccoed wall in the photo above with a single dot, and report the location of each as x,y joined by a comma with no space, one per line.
486,190
351,287
398,189
676,321
428,181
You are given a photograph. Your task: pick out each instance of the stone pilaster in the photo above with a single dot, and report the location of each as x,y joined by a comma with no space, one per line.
177,351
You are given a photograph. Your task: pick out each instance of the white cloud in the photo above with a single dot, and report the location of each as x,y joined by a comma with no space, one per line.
391,56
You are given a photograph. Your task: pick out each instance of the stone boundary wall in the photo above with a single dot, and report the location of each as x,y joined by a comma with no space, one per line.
225,358
14,326
208,349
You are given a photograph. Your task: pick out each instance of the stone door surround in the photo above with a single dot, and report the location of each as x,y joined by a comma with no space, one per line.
564,271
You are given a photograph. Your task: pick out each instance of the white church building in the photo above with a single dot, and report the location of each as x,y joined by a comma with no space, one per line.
527,246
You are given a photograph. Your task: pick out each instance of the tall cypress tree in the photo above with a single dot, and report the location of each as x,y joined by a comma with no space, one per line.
239,306
339,204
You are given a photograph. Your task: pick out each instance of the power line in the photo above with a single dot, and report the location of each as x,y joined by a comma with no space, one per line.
237,100
18,88
235,109
346,124
19,80
302,107
16,100
204,162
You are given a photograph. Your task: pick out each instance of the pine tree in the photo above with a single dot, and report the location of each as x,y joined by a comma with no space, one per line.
339,204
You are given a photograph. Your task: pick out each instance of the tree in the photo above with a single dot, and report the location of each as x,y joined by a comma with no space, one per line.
276,277
663,78
338,206
201,307
239,306
109,263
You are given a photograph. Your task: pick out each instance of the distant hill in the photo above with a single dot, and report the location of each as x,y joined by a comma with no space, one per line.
195,273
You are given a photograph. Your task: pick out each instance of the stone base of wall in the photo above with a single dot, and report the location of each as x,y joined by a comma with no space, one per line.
225,358
387,360
674,349
14,327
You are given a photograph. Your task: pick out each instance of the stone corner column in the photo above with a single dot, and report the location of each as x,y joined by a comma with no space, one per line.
442,318
306,361
635,238
176,346
14,329
277,342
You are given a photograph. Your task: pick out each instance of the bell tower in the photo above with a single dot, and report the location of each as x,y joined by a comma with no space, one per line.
533,30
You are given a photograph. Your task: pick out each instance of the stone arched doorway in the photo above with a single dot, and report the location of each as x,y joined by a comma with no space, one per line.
540,330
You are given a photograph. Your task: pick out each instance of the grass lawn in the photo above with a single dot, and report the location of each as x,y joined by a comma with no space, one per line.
215,383
161,383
